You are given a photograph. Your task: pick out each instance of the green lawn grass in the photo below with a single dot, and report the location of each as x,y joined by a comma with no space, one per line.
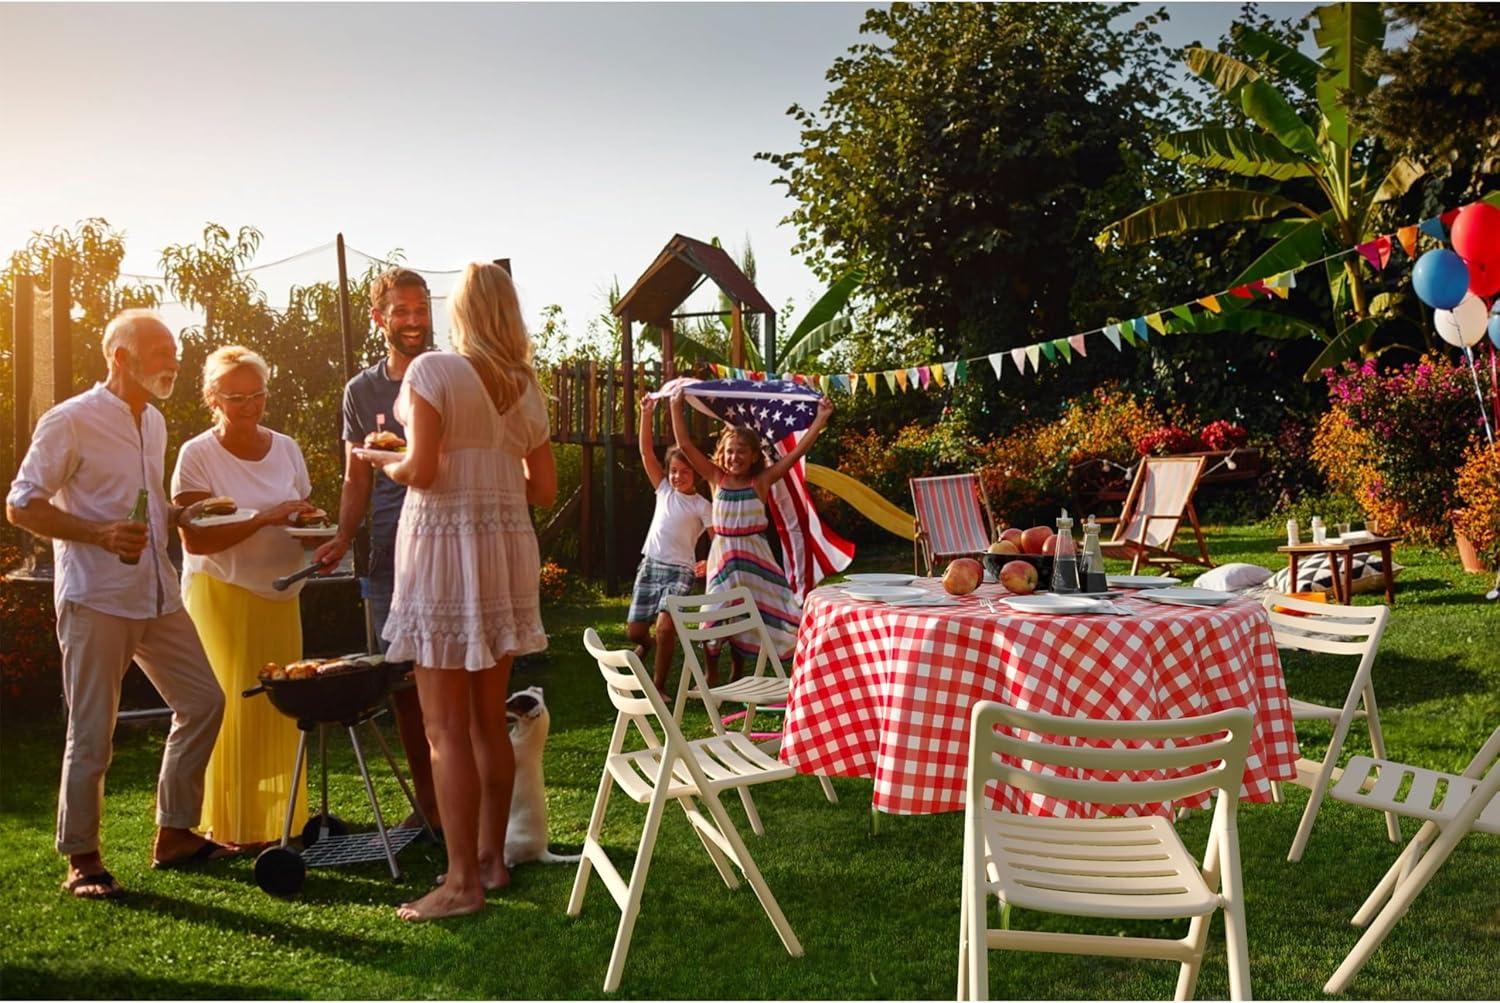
878,915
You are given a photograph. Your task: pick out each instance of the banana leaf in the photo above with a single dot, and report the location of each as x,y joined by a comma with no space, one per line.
684,345
1198,211
1403,174
814,341
1349,34
1269,109
1225,73
1302,244
1345,346
1279,57
1240,151
1261,323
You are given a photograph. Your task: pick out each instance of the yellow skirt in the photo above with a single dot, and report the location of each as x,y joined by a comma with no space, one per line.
250,772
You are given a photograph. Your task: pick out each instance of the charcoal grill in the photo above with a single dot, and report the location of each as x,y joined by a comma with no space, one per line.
348,699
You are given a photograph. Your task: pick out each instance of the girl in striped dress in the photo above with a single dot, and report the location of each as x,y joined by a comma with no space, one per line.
740,555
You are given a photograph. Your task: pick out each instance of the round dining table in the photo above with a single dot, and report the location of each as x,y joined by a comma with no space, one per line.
884,691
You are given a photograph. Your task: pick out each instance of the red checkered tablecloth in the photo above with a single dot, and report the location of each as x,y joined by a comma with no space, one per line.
884,692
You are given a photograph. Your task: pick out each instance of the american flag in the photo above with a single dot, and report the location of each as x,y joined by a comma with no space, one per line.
779,411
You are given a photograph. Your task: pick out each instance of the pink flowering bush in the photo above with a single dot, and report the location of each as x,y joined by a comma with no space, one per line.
1396,439
1167,440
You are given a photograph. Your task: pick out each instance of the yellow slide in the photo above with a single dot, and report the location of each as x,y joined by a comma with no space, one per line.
866,502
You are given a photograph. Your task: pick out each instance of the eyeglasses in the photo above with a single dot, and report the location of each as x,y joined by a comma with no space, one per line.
238,399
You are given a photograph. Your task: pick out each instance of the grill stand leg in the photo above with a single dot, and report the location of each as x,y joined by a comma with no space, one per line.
411,797
291,799
323,831
364,772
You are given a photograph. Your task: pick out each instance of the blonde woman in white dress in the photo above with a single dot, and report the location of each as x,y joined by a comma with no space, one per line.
467,568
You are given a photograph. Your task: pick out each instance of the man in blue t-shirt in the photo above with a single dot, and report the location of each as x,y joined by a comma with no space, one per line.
400,308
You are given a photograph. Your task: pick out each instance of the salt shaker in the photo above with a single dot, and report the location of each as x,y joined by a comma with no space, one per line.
1293,534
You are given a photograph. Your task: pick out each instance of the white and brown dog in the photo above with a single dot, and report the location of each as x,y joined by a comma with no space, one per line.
526,836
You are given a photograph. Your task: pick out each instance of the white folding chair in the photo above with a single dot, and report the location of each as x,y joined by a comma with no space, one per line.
1119,868
1339,630
1451,807
668,768
719,618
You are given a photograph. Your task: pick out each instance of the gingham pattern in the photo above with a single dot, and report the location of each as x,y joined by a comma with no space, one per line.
885,692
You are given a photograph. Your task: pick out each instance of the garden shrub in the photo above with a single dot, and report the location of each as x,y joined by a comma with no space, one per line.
1478,491
1395,440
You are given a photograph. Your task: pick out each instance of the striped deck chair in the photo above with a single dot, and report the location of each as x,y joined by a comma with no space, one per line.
953,518
1160,496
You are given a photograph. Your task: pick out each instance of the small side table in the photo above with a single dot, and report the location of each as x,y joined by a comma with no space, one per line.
1341,563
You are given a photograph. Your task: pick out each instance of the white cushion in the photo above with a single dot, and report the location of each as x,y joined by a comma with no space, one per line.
1233,577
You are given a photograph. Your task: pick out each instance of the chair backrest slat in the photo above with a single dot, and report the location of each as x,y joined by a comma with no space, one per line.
949,512
720,615
1165,486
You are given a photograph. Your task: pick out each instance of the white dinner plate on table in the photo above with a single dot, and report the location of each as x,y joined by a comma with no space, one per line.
884,593
879,578
240,515
312,532
925,600
1140,581
1187,596
1052,604
381,456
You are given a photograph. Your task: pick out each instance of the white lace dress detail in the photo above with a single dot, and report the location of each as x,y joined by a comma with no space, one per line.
467,567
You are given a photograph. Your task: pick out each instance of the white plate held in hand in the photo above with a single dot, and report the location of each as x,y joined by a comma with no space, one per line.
381,456
879,578
884,593
312,532
241,515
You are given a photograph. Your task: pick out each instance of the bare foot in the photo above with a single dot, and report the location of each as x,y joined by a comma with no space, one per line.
441,903
494,876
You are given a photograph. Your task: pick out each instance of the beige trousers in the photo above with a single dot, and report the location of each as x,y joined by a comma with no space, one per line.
97,648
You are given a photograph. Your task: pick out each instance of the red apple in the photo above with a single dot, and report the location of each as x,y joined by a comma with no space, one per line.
1034,539
1019,577
963,576
1013,535
1050,547
1004,547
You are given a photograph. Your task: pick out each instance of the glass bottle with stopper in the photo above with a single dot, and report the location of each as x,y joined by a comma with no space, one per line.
1093,559
1064,558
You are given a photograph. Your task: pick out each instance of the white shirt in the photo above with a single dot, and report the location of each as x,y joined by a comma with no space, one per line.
676,524
203,464
90,458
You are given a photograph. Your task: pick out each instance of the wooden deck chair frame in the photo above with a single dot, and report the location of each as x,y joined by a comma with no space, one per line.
922,548
669,768
1338,630
1124,868
1470,803
1134,529
718,617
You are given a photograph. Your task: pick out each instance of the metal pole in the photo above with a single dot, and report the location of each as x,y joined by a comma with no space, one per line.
62,329
346,328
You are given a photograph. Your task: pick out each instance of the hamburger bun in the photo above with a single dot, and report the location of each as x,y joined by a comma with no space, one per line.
305,669
271,670
218,506
316,519
385,440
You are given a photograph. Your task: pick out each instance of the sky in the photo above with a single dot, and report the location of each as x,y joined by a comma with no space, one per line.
575,139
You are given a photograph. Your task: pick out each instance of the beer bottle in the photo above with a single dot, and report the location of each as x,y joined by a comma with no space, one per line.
138,514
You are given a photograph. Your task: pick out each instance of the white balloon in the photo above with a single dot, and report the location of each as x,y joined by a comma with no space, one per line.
1464,325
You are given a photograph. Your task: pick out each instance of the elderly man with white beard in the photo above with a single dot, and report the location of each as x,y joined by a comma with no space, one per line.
91,459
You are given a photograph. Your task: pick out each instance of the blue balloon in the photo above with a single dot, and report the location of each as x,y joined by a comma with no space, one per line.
1441,279
1494,329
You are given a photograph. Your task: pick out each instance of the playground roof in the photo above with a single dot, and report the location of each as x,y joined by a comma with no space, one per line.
672,276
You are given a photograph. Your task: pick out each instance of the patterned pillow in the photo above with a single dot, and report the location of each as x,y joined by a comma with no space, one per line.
1314,574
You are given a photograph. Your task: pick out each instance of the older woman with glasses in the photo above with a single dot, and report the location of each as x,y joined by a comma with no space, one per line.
227,571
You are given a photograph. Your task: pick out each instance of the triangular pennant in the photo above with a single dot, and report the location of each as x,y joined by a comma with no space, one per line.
913,379
1377,252
1184,313
1112,332
1141,330
1033,353
1434,228
1018,355
890,379
1408,237
937,373
1259,286
1448,217
870,382
1279,291
901,378
1061,345
1128,330
1242,292
1077,342
997,359
924,373
1210,303
1049,350
957,371
1156,323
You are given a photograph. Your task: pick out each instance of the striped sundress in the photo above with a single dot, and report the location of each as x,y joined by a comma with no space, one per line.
740,555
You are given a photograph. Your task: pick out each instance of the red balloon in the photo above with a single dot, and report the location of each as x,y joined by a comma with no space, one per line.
1484,277
1476,234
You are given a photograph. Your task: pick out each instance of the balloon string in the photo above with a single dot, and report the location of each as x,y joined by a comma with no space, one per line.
1483,416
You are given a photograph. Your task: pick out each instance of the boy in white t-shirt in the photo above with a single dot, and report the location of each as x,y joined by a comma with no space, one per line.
668,559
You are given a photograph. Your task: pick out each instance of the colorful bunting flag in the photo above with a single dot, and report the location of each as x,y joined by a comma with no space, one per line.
1112,332
912,379
1377,252
1408,237
1033,355
996,360
890,379
1018,356
1049,349
1211,304
1061,345
957,371
937,373
1242,292
1142,332
1184,313
870,382
923,375
1077,342
901,378
1434,228
1156,324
